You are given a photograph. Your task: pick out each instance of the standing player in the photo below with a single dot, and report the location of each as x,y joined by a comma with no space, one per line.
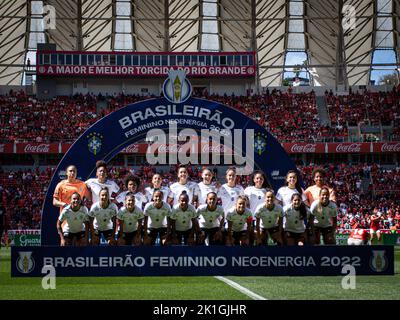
296,217
65,188
206,186
285,193
76,227
130,220
184,221
256,192
211,220
230,191
132,184
324,212
239,218
156,215
156,182
96,184
269,220
103,218
312,192
184,184
374,224
2,220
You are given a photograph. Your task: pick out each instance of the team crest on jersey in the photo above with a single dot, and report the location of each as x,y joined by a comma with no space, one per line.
378,261
25,262
176,88
260,143
94,142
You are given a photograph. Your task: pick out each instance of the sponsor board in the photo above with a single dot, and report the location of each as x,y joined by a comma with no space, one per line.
202,261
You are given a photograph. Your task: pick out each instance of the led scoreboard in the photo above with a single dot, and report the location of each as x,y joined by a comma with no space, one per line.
145,64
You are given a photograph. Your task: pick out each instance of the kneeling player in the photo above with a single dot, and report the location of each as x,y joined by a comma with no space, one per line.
239,221
184,222
75,229
269,220
103,218
358,236
296,217
325,213
130,219
211,220
155,223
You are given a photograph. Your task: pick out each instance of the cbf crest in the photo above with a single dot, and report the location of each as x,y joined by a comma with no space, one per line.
260,143
95,142
378,261
177,89
25,262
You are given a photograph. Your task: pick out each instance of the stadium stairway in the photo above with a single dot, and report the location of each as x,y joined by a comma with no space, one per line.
365,182
322,111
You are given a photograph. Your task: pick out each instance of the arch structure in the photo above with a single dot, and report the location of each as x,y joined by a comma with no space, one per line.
132,123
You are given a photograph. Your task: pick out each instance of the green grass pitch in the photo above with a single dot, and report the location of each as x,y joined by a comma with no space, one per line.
197,288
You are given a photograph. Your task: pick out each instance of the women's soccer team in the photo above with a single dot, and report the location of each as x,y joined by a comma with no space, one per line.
189,213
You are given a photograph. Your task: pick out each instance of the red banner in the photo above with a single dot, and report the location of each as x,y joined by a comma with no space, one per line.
385,147
141,148
146,71
304,147
37,147
65,147
349,147
6,148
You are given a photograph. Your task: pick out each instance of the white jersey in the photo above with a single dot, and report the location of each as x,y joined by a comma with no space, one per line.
191,188
292,221
322,219
256,197
157,218
229,195
130,219
75,219
95,187
210,219
103,217
150,190
239,221
205,189
183,219
140,199
285,194
269,218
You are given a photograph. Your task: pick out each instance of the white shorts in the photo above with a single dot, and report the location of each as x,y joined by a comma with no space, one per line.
355,242
372,231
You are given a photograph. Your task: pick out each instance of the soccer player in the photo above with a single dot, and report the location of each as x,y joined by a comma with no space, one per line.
374,224
312,192
103,218
65,188
76,227
211,220
230,191
358,236
156,214
184,221
156,181
269,220
130,220
132,184
206,186
256,192
296,217
183,184
2,220
96,184
239,218
285,193
324,212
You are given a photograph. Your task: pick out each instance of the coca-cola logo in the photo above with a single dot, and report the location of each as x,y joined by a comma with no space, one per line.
133,148
310,147
40,148
390,147
353,147
219,148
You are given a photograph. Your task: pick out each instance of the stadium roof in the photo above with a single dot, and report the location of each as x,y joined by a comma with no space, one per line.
337,39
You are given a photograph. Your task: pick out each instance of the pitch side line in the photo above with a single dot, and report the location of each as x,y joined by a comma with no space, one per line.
238,287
